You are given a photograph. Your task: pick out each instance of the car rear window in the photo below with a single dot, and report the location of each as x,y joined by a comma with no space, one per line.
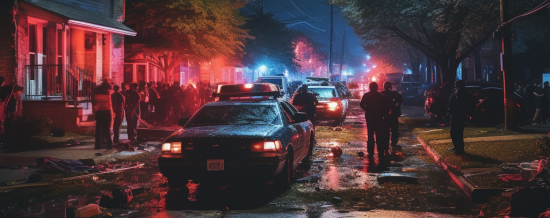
235,115
324,92
275,81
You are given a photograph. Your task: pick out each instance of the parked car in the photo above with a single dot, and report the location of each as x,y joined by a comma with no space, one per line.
489,97
332,105
249,135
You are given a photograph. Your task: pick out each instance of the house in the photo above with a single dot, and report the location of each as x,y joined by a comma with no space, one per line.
58,50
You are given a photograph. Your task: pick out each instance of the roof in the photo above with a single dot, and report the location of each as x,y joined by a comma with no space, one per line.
313,87
72,13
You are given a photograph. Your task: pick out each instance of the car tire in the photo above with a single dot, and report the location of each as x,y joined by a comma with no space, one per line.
284,179
175,183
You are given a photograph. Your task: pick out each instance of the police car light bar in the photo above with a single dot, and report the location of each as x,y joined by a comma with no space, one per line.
245,90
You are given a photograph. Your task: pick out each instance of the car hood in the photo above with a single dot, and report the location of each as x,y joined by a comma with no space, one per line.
239,131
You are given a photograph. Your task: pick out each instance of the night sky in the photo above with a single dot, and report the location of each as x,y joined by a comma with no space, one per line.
313,18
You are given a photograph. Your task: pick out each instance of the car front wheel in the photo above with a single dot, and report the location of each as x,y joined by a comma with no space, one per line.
284,179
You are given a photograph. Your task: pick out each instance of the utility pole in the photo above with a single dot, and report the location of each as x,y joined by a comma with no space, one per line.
506,63
330,49
342,55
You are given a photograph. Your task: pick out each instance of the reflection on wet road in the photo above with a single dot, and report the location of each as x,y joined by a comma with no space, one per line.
347,186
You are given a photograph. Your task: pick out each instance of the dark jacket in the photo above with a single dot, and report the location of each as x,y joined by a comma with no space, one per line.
117,100
396,101
132,100
461,103
376,106
101,99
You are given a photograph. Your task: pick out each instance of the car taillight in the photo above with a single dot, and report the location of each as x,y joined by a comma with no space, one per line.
166,147
266,146
332,105
175,147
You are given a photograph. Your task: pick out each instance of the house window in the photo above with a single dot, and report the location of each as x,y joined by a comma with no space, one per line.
32,44
527,73
487,45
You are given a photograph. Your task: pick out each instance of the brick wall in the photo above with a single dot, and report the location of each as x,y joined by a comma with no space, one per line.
62,117
21,47
7,48
117,58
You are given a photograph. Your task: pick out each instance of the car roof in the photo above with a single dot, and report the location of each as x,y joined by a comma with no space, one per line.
244,102
311,87
272,77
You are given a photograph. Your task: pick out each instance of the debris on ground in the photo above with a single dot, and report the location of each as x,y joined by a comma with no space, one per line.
34,178
63,164
318,161
314,178
336,200
336,151
86,211
395,177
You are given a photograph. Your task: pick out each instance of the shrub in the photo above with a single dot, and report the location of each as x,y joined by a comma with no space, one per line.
33,126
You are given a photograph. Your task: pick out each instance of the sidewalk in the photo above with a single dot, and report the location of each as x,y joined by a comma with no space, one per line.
467,178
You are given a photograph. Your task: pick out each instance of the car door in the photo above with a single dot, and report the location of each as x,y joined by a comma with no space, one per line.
298,133
307,127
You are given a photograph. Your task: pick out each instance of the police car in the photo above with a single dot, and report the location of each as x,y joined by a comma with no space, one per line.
247,135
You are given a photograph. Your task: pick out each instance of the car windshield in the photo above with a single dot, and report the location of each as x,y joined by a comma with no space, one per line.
325,92
275,81
235,115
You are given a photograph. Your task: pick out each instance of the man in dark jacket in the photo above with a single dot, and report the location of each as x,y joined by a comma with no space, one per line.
377,108
153,101
117,100
176,101
132,111
395,112
308,103
461,104
101,102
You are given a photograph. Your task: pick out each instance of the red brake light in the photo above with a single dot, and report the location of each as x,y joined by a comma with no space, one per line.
266,146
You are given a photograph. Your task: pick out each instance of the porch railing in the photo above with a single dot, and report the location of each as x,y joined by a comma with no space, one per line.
48,82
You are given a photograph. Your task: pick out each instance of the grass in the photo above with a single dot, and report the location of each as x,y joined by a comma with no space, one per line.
429,134
492,154
68,137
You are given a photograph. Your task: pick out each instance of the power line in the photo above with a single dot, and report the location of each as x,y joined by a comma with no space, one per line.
289,25
298,8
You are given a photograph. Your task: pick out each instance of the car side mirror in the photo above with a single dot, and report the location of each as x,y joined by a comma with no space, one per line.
183,121
300,117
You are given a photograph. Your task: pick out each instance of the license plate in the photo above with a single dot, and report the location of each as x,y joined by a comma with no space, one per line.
214,164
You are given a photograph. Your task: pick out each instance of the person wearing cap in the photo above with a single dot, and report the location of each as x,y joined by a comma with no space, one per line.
101,103
461,105
393,118
377,108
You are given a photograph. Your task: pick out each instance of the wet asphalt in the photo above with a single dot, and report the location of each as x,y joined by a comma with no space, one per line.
347,186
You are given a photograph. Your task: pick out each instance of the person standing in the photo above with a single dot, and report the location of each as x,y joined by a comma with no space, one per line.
132,111
117,100
144,100
176,101
153,101
395,112
461,105
377,108
101,102
309,102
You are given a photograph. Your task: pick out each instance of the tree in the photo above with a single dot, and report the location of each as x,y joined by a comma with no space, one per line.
309,58
272,44
172,31
446,31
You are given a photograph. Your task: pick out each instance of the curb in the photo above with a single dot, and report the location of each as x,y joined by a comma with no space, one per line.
473,192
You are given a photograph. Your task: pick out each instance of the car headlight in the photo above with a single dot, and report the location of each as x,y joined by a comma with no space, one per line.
166,146
266,146
175,147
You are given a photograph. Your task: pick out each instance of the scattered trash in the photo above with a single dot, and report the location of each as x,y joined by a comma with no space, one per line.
336,200
360,154
529,202
74,142
65,164
409,178
336,151
338,129
318,161
34,178
314,178
87,211
122,196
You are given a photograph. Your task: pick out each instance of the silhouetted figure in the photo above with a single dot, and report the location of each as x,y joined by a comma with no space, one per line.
101,102
117,100
190,98
176,101
376,107
132,111
8,105
395,112
461,104
163,102
308,103
153,101
144,100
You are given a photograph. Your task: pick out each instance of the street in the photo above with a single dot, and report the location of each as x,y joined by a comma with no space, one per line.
346,186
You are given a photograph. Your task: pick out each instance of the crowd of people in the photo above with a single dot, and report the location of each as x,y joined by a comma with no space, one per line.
152,103
534,103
